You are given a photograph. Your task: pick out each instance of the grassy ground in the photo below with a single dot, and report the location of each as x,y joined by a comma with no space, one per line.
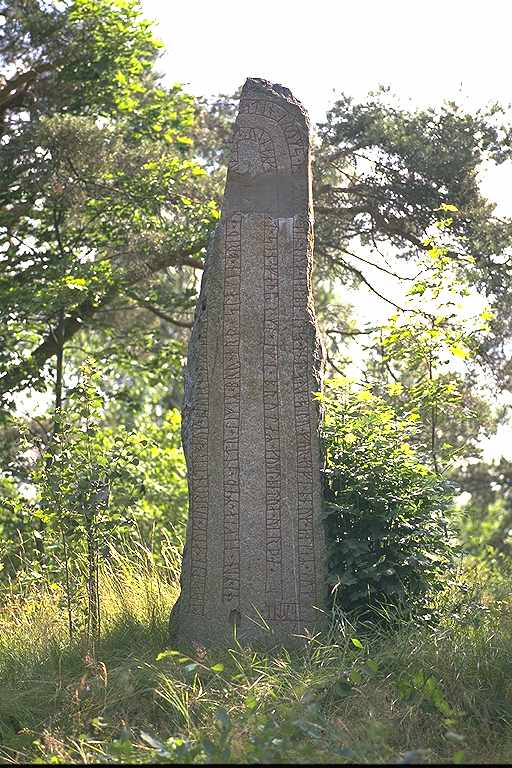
423,694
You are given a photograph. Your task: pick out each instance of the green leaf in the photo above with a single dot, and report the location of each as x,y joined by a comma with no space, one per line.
222,719
166,654
78,283
458,351
342,688
251,702
356,677
155,744
448,207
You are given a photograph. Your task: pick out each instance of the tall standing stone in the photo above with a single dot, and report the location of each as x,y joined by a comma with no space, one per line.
254,559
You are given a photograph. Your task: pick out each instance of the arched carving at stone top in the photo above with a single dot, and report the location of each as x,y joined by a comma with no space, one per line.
255,554
284,128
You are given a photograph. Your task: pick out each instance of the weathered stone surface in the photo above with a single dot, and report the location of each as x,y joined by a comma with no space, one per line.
255,553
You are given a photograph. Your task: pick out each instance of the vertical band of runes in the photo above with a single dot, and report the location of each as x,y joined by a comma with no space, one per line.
302,407
198,478
231,357
274,565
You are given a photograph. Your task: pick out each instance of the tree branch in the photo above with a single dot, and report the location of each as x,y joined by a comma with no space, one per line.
13,90
158,312
382,269
20,375
340,332
363,279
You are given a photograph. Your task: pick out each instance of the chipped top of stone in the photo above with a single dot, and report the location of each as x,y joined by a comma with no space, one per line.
268,171
275,91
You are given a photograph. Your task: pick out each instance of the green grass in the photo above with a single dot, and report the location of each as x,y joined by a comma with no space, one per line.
431,694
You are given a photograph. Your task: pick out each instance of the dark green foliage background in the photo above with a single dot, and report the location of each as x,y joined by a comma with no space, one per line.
386,510
111,181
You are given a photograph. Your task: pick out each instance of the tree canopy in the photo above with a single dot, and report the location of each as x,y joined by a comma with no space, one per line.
111,183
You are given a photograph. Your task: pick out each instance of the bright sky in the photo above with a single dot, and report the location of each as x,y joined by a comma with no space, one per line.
426,50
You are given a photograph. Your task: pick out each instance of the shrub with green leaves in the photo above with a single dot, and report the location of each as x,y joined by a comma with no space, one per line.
385,508
87,482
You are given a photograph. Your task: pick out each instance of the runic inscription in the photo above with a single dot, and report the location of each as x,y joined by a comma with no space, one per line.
198,480
231,333
274,574
301,396
254,560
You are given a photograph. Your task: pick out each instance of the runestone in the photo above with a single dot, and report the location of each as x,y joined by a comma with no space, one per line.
254,563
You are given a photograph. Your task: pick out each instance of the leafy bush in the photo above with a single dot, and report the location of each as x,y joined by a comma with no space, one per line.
94,489
385,508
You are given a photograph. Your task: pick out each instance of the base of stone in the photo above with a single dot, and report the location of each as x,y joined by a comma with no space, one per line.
186,629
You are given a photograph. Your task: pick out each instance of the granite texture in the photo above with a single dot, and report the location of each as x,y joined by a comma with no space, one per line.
255,562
